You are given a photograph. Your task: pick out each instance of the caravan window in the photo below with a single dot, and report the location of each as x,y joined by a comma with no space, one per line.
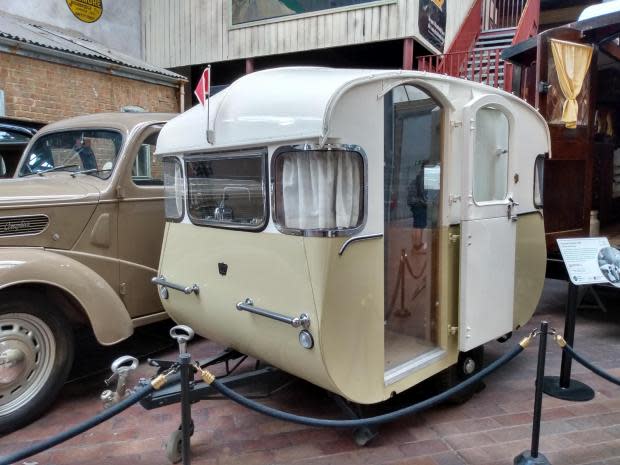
490,155
318,191
228,191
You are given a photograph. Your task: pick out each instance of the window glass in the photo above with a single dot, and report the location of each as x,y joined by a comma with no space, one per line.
12,137
91,151
2,167
174,190
539,172
228,191
147,169
319,190
490,175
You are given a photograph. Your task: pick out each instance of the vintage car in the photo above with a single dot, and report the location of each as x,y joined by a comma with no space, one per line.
14,136
81,227
363,230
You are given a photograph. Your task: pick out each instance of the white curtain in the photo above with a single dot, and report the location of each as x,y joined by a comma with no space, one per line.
321,189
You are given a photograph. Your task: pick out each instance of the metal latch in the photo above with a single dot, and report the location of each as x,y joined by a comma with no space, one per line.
511,209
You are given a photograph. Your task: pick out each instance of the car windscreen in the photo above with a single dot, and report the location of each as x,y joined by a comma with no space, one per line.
87,151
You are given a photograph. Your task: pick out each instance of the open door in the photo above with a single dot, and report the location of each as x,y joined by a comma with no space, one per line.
488,226
412,180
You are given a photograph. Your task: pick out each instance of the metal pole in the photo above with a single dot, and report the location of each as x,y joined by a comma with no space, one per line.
569,333
186,407
540,375
533,457
563,387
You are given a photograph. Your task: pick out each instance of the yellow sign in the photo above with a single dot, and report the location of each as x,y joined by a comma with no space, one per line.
88,11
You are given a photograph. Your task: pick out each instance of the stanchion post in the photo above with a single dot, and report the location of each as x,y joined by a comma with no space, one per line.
533,456
186,407
563,387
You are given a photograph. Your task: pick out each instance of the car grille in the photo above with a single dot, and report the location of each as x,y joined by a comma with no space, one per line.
22,225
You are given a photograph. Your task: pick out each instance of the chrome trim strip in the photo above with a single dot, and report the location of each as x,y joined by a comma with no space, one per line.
401,371
161,281
358,238
319,232
302,320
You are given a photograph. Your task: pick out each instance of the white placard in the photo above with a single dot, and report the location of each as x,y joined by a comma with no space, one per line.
432,177
591,261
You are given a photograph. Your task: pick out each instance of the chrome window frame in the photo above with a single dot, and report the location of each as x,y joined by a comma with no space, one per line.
539,205
175,159
319,232
233,155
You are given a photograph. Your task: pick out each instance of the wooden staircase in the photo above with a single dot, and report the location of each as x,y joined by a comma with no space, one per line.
484,63
475,53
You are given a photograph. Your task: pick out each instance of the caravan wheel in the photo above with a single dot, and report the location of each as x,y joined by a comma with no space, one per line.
468,364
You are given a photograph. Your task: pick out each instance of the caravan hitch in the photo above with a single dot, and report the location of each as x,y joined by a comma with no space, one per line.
121,368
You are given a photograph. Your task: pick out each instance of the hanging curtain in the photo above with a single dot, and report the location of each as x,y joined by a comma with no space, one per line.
571,62
321,189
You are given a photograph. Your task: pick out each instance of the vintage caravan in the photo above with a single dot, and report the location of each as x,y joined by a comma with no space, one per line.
363,230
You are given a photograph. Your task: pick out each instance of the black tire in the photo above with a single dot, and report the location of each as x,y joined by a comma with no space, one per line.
38,341
460,372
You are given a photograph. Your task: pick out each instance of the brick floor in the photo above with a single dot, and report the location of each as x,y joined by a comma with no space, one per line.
490,429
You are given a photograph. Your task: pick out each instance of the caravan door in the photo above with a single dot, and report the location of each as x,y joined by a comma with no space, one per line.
488,223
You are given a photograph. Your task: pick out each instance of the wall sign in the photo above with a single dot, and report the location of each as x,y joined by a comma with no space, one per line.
88,11
432,21
247,11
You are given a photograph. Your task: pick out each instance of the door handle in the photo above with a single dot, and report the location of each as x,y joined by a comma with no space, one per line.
511,209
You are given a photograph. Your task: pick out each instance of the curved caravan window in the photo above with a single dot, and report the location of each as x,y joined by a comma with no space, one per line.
173,188
490,177
318,191
228,190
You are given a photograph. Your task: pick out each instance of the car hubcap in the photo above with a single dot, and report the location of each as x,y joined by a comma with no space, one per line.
27,352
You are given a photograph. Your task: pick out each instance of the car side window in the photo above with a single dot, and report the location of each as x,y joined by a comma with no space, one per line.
147,168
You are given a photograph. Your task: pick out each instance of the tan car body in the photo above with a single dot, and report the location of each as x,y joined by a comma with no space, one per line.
101,245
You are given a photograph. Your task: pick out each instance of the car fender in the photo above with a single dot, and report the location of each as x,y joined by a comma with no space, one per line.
102,306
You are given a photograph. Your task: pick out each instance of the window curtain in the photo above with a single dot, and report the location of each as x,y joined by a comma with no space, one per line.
571,62
321,189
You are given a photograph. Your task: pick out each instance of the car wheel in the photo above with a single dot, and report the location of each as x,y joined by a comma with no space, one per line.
36,353
468,364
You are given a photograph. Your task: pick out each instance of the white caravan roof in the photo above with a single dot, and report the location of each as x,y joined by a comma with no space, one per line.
288,104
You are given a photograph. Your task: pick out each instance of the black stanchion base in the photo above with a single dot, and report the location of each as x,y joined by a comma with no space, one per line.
575,392
525,458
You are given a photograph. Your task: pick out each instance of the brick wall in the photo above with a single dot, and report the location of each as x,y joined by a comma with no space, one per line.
38,90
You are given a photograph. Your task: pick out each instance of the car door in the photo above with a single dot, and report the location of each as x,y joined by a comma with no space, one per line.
141,226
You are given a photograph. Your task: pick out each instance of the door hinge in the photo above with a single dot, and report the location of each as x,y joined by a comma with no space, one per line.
120,192
122,289
456,124
453,330
454,237
453,199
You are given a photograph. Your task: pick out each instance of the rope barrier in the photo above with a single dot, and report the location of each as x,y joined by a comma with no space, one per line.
48,443
171,375
376,420
590,366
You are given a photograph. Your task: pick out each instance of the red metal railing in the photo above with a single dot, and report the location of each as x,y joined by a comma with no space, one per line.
499,14
484,66
468,33
527,27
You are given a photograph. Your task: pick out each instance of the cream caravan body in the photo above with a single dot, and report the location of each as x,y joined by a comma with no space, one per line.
388,220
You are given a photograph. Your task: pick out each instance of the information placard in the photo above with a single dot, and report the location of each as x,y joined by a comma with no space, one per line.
591,260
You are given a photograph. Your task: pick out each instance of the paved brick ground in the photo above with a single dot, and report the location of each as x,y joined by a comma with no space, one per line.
490,429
